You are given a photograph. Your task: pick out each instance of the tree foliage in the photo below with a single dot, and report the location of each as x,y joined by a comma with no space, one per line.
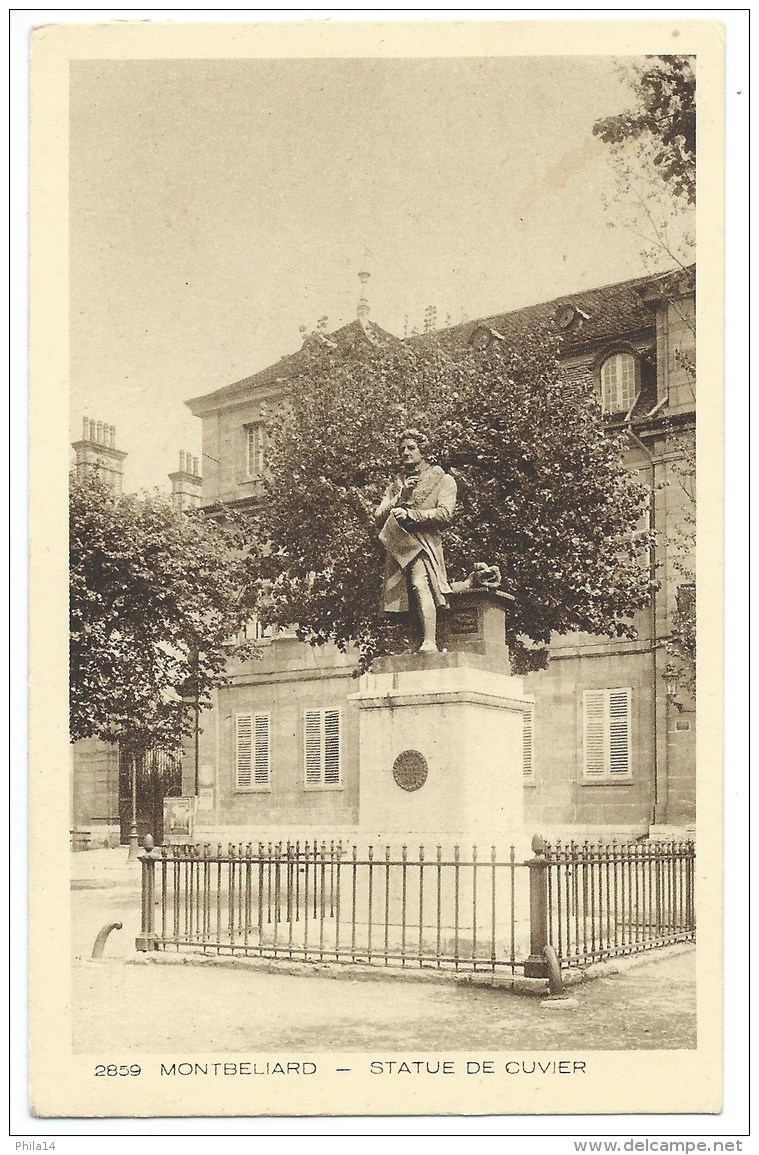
681,550
652,151
681,645
154,600
664,116
542,490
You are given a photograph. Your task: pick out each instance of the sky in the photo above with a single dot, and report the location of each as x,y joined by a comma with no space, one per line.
217,206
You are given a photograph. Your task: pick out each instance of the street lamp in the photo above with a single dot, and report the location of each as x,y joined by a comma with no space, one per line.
196,707
671,678
134,842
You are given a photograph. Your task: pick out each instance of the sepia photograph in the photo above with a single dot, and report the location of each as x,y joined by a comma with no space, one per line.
370,408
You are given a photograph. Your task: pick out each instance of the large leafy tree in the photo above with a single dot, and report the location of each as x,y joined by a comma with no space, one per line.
154,601
542,490
663,117
652,148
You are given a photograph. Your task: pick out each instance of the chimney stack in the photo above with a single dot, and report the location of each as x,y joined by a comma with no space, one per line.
186,483
97,455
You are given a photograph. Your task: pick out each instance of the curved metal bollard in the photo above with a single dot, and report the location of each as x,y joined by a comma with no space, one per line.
555,981
97,950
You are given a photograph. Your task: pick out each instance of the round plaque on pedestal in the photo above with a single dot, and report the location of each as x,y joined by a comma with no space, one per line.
410,770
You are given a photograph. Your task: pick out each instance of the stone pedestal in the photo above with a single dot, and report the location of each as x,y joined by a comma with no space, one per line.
475,623
441,739
440,753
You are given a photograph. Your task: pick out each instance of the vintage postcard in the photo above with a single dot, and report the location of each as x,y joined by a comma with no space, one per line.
372,772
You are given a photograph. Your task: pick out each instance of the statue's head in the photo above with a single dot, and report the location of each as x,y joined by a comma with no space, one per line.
412,447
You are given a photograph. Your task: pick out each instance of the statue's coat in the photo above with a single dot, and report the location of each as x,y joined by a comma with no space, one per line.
430,500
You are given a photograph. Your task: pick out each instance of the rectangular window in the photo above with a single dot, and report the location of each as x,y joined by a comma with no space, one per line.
527,748
256,444
253,751
643,526
256,630
606,735
321,744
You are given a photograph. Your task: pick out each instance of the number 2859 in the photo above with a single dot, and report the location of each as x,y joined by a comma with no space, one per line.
112,1069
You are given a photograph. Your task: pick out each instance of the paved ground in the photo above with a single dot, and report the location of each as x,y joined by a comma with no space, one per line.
120,1007
158,1008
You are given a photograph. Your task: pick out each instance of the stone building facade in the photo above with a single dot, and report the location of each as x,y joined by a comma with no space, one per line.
610,745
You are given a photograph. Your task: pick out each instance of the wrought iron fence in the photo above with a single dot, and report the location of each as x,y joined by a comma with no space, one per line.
320,902
324,902
609,899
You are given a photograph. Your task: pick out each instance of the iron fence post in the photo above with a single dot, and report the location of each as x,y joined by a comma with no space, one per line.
147,939
536,966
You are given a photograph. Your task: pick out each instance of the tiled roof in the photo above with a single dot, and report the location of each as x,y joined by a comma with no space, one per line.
613,310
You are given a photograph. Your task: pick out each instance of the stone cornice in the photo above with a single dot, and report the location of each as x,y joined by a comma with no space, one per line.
373,701
100,449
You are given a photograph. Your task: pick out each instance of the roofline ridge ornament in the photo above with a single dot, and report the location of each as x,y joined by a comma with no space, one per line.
363,308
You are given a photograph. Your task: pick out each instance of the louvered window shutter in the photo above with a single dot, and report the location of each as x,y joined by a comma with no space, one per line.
594,733
261,731
619,732
331,747
244,751
322,747
527,743
606,730
313,746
